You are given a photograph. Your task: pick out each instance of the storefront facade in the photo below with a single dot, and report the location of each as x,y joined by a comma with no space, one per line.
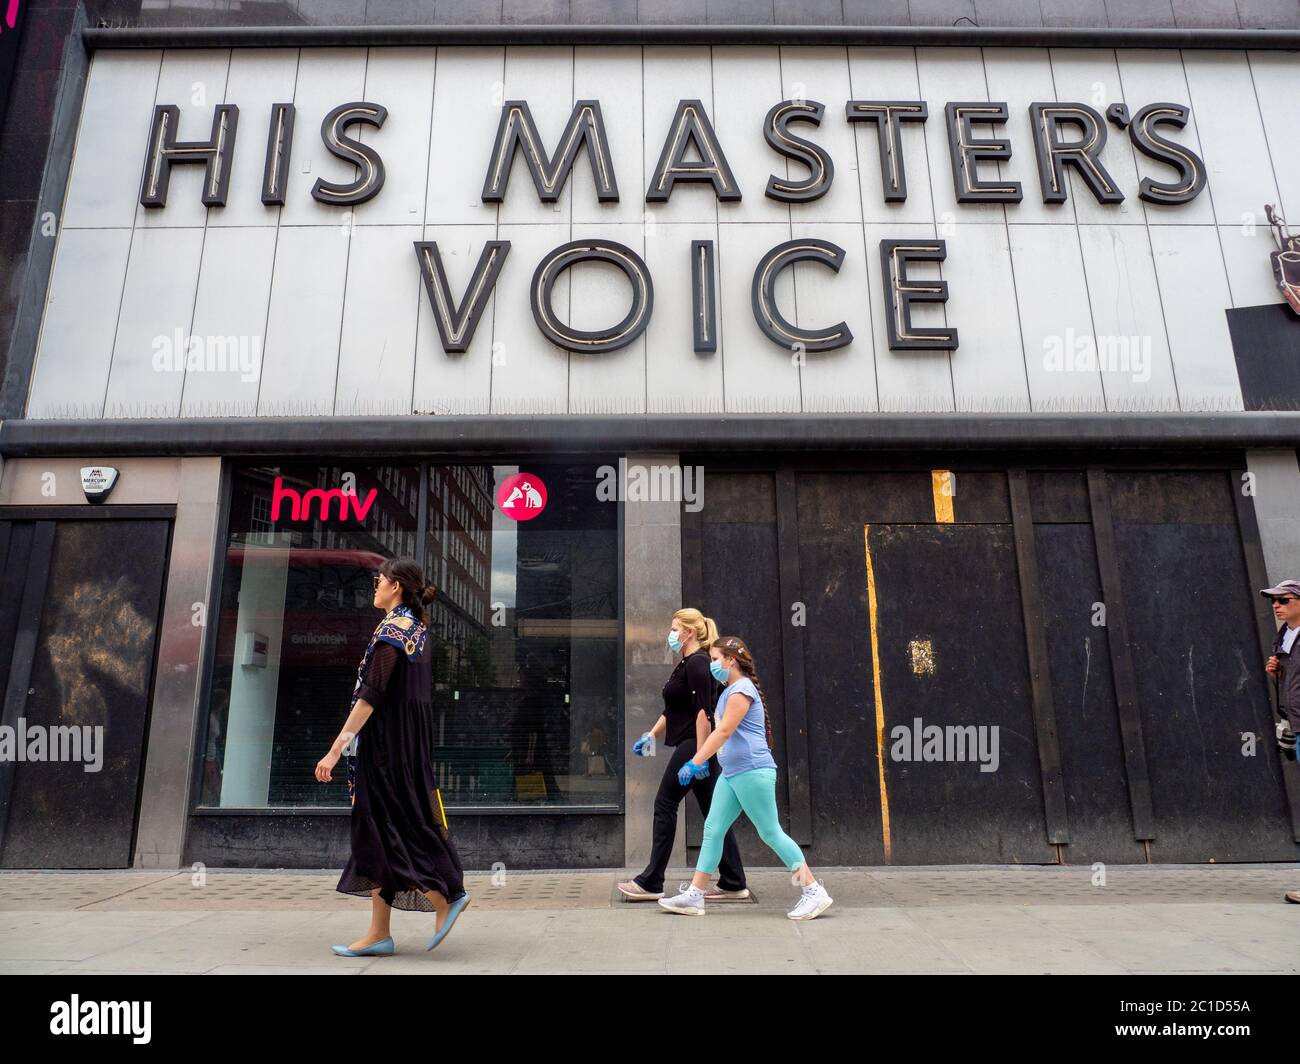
951,373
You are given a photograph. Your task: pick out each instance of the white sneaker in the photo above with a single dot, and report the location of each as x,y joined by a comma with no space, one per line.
812,903
689,903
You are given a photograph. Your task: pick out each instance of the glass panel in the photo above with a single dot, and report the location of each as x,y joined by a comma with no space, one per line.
525,631
526,688
295,617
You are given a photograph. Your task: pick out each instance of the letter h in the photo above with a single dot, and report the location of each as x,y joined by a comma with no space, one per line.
163,150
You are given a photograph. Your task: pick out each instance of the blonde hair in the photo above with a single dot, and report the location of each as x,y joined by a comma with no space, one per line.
703,627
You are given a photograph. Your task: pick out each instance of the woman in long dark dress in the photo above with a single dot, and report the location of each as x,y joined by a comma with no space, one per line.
402,854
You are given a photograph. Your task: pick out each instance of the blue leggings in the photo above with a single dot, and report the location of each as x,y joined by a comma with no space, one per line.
753,793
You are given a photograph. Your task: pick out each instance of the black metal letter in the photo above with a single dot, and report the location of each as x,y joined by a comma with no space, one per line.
1054,154
586,126
279,146
763,296
966,151
901,292
1191,170
371,177
457,321
163,150
704,297
691,126
611,339
814,156
887,114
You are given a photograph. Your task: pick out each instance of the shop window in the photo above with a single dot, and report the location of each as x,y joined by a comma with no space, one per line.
525,634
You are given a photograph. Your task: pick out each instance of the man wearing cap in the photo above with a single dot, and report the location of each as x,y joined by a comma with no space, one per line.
1284,667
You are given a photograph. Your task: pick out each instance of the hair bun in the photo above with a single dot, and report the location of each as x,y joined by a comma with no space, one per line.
428,593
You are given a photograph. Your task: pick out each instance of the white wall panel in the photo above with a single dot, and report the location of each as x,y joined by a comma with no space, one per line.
1091,76
1055,318
147,373
1277,91
104,186
843,379
380,309
988,368
467,97
600,296
460,383
758,374
300,363
1195,318
823,75
231,302
327,77
258,78
1157,77
195,81
1232,134
670,75
677,379
75,348
908,380
400,79
1132,348
890,74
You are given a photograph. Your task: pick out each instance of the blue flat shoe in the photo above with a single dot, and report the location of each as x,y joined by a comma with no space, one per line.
455,909
383,948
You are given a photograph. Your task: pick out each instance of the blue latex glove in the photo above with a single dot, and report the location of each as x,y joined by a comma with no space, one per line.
639,746
692,770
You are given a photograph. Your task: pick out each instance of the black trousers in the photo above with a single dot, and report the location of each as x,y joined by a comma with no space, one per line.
731,873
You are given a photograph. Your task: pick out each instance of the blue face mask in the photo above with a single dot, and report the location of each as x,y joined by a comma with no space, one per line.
719,671
674,644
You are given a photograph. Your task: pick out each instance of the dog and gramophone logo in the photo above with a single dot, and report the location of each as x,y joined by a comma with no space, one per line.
1286,259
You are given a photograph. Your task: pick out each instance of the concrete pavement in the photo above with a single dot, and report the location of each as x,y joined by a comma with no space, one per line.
1163,919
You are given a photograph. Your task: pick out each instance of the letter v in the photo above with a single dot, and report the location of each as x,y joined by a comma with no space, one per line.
357,509
456,323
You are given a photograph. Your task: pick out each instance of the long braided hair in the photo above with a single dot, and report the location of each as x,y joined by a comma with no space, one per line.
734,647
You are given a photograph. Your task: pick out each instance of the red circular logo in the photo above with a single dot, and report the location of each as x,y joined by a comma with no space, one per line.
522,496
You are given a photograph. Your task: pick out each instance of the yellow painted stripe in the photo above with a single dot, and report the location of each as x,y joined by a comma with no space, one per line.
880,699
441,811
941,484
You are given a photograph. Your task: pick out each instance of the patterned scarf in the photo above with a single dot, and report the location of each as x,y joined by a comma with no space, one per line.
408,640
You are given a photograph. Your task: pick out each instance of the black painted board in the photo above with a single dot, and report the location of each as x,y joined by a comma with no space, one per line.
1083,693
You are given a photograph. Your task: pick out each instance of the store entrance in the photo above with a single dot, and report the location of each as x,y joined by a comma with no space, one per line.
79,610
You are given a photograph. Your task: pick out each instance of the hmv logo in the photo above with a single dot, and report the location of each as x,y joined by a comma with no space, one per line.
300,503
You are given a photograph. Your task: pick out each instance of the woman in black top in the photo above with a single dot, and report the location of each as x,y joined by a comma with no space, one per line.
689,697
402,854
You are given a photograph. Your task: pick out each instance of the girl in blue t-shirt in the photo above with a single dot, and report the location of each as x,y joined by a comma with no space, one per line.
743,743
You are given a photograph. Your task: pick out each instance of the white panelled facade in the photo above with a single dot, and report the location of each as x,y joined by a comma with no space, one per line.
309,309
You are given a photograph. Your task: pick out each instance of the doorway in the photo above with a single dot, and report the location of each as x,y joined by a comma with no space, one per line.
80,599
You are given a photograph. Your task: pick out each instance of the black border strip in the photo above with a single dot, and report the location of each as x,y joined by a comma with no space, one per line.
1123,672
675,432
918,36
1056,809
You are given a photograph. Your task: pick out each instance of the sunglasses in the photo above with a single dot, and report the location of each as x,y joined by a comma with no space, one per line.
1282,600
375,578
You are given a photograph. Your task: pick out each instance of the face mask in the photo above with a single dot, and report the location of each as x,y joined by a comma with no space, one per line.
674,644
719,671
